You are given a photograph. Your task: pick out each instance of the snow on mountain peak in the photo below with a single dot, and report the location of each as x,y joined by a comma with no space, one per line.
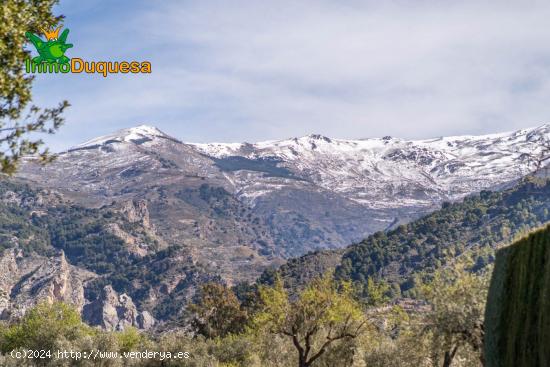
375,171
315,142
146,130
135,134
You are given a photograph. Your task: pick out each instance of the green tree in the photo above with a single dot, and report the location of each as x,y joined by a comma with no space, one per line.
397,341
322,315
18,118
218,312
377,292
44,327
457,298
130,339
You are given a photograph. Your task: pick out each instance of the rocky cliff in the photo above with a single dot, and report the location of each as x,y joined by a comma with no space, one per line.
28,279
109,263
113,311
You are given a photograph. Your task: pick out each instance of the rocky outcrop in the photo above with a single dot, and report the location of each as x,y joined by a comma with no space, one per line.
517,317
41,198
140,240
8,267
27,280
137,212
134,244
113,311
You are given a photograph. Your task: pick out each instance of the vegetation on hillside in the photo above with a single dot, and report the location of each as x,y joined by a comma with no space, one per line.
325,325
325,321
483,220
320,320
399,259
41,222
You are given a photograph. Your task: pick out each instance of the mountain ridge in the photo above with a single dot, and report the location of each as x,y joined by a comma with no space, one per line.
448,167
173,214
306,193
368,171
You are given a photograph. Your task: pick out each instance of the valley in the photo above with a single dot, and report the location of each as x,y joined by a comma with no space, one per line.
149,217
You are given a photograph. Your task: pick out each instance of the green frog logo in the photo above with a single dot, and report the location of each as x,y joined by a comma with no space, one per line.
53,49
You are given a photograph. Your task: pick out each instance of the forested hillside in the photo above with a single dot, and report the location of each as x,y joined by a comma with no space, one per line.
484,220
477,225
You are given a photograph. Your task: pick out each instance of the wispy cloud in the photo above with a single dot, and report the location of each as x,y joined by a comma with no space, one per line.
250,70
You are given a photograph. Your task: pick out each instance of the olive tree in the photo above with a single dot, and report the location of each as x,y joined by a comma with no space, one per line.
457,298
322,315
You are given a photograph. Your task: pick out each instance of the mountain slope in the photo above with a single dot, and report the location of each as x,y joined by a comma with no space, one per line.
391,172
482,220
137,219
52,249
477,225
279,199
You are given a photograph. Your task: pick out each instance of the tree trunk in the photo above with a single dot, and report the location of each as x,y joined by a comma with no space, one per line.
449,356
302,362
302,355
447,360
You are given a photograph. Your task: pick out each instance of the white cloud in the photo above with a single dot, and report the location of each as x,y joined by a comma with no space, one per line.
250,70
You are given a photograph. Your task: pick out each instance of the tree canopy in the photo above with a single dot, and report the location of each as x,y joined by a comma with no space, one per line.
19,118
322,315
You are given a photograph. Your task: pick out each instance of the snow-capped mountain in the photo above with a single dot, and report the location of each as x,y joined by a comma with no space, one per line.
239,207
134,134
391,172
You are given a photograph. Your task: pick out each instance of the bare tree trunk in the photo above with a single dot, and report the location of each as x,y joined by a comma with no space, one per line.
302,356
447,360
449,356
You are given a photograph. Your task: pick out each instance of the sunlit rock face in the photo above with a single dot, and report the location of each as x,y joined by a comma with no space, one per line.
113,311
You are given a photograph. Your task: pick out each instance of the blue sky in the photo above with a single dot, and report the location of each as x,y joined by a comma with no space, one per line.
257,70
